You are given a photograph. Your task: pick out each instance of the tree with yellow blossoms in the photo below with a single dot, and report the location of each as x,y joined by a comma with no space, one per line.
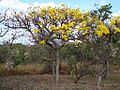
57,26
53,26
99,31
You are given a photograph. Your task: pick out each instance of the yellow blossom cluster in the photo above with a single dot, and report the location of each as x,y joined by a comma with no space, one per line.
63,21
42,42
36,31
102,29
115,23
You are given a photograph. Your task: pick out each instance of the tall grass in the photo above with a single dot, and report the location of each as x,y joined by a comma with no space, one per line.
24,69
31,69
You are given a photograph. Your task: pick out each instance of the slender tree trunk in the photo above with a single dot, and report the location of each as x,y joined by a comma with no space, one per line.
99,79
105,66
76,71
53,70
57,67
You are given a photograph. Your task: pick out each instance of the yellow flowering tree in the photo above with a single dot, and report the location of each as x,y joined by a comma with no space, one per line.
56,26
53,26
98,30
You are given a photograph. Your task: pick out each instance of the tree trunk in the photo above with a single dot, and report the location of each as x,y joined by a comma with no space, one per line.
105,66
78,77
53,70
99,79
76,71
57,67
102,74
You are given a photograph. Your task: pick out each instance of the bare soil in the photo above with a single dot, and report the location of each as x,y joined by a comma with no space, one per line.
45,82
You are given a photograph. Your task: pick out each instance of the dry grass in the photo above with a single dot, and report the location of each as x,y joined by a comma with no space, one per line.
35,69
30,69
45,82
11,79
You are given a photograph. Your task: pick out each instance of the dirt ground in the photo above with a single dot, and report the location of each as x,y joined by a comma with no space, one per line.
45,82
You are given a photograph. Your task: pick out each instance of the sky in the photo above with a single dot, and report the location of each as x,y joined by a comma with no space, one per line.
82,4
22,5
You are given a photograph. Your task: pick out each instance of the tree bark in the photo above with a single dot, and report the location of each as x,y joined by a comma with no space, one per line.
102,74
77,79
105,66
53,70
57,67
76,71
99,79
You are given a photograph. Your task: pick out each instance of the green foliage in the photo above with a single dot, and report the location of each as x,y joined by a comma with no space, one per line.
103,12
3,53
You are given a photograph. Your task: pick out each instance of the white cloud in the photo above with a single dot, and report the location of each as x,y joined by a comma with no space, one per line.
17,5
14,4
103,2
116,14
45,4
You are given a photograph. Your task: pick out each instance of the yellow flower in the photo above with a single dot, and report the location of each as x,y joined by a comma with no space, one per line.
85,32
103,29
117,29
113,22
53,27
99,33
71,24
117,17
64,27
30,14
62,32
43,13
81,17
80,29
60,16
84,23
42,42
36,31
65,37
68,32
51,11
40,23
76,42
62,5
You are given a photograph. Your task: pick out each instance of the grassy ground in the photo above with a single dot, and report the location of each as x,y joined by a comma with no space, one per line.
33,77
44,82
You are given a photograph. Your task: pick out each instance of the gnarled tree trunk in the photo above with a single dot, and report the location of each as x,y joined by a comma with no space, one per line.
102,74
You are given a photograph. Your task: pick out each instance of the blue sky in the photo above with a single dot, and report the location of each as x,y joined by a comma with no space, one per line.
83,4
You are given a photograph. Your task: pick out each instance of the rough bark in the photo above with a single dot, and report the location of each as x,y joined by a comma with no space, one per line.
105,66
76,71
99,79
53,70
77,79
57,67
102,74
